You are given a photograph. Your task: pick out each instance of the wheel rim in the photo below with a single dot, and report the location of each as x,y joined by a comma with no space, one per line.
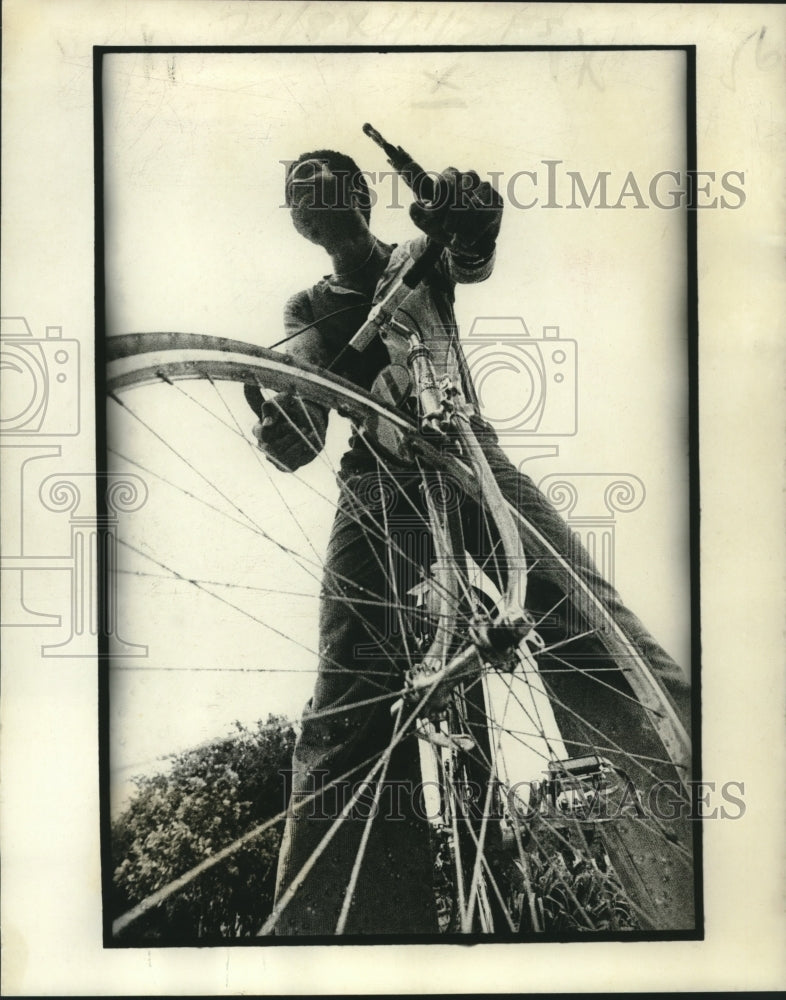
144,359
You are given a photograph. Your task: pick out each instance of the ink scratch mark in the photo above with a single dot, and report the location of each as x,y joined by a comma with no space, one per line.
762,60
508,26
553,56
732,84
586,68
147,38
322,77
288,90
303,8
771,58
442,81
355,23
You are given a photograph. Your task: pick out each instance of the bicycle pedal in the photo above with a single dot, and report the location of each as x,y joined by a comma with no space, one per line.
591,788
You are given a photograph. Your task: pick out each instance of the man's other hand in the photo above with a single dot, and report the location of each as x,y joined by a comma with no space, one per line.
465,213
291,431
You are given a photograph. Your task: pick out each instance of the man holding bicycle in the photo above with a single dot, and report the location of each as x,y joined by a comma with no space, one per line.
347,723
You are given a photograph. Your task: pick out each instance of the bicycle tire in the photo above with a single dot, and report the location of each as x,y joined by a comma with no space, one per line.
144,359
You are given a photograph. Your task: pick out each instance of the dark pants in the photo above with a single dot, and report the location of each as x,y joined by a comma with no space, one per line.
376,545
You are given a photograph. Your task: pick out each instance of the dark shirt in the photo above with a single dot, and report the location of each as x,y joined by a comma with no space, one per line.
428,311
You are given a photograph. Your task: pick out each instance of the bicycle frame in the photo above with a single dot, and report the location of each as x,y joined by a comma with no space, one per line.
445,418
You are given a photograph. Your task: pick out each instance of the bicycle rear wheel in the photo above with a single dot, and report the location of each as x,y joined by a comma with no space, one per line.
512,815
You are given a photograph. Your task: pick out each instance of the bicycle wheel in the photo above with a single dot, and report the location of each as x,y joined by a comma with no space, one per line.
536,772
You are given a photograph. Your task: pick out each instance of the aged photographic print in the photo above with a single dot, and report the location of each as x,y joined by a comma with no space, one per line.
385,383
387,392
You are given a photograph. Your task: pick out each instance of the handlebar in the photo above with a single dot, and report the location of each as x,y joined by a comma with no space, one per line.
421,183
412,172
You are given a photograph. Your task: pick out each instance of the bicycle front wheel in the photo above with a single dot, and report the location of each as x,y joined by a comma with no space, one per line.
505,855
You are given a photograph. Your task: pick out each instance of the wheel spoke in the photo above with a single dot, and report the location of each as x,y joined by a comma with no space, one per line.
186,462
260,621
355,873
335,579
265,465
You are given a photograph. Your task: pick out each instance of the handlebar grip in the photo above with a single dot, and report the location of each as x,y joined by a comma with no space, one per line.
412,172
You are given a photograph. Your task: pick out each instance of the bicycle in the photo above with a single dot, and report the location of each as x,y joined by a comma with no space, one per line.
480,680
514,851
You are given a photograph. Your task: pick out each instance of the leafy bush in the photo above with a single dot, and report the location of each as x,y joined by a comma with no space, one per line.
210,796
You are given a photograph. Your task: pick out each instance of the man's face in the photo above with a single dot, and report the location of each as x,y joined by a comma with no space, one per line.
320,207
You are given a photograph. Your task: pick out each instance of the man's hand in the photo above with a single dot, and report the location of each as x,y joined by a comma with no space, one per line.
291,431
465,214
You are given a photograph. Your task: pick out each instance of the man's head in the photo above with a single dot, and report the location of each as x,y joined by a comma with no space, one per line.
327,195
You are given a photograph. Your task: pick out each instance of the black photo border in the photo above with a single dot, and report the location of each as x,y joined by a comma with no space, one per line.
104,659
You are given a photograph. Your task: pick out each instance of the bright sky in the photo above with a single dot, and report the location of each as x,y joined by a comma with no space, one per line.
198,241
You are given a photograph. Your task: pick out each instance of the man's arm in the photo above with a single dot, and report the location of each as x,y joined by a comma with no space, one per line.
309,345
291,431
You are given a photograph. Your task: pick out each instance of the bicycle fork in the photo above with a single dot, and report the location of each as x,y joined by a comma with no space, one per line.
444,414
